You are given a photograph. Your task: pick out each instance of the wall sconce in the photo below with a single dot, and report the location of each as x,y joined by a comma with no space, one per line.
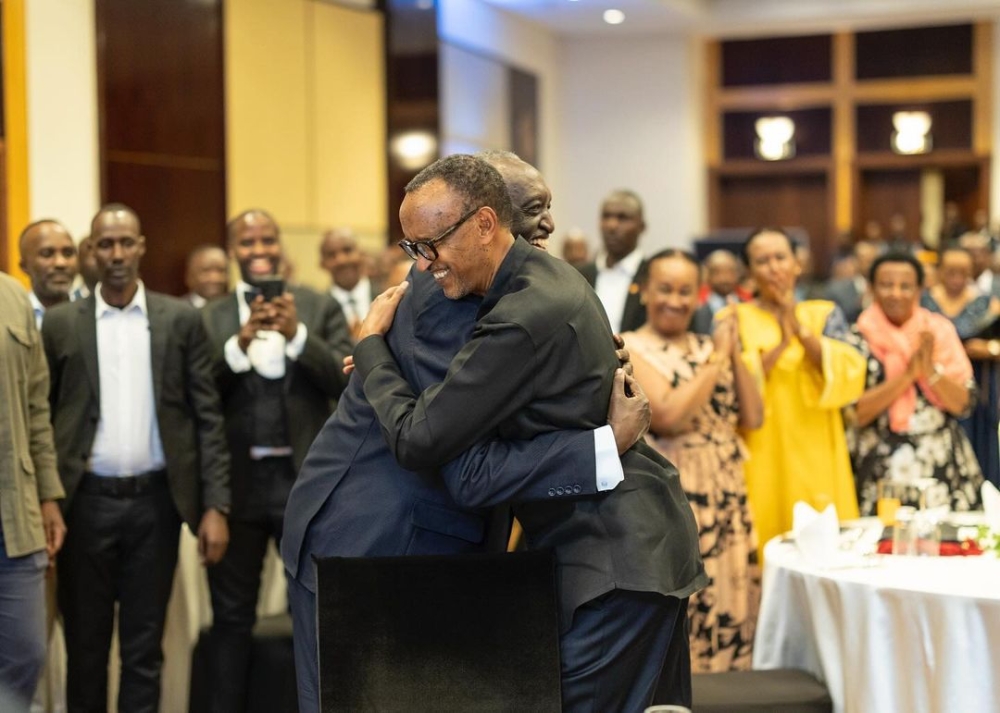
912,134
414,149
774,138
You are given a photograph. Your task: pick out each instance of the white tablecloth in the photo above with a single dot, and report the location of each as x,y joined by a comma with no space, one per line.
910,634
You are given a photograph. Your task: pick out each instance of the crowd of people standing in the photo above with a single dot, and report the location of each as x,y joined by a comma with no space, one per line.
214,411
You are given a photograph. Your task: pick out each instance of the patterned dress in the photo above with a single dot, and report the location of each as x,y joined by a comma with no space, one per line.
709,457
975,320
935,447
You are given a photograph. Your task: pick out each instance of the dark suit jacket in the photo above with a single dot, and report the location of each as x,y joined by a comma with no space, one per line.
311,382
634,315
845,294
541,359
352,499
187,404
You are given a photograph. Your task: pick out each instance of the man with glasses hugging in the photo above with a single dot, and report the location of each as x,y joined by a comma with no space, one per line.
353,499
627,553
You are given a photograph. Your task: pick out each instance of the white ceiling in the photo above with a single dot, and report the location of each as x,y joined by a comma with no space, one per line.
742,17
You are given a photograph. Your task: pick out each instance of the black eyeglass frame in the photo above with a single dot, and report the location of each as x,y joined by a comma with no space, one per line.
425,248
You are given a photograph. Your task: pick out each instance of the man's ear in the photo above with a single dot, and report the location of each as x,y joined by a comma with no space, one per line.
487,223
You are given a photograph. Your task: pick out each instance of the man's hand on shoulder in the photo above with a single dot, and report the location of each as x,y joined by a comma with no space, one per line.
629,414
382,312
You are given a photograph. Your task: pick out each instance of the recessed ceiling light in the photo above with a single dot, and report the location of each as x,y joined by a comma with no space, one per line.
614,17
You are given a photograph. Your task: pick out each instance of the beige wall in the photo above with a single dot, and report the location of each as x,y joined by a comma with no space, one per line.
305,121
62,112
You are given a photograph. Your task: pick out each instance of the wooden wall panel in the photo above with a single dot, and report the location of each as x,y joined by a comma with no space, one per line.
162,126
787,201
884,193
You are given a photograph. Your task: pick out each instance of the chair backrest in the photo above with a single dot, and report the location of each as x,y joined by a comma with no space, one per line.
438,633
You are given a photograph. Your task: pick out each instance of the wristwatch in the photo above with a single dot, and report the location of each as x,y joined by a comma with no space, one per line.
993,347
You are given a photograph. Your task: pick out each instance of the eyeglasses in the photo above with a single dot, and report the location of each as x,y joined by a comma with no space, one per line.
425,248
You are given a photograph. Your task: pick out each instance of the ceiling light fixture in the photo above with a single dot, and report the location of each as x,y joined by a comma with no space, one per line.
614,17
775,138
414,149
912,132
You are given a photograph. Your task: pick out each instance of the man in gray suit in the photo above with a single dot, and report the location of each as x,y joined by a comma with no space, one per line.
139,435
540,359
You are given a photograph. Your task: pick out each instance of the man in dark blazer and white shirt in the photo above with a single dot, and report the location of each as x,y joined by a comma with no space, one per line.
141,449
278,366
617,272
540,359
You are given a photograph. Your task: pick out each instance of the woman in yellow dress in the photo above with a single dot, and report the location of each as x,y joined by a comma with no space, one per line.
807,374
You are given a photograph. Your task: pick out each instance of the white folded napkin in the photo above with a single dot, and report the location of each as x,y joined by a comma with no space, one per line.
991,505
817,534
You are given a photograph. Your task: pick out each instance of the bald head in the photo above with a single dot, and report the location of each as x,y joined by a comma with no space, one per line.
254,241
529,196
622,223
116,212
723,272
207,271
340,256
49,258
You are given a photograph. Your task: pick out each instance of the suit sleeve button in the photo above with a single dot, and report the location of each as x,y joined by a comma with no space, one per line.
577,489
560,490
552,492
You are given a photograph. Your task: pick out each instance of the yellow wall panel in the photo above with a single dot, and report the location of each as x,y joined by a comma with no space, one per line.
266,98
305,118
349,98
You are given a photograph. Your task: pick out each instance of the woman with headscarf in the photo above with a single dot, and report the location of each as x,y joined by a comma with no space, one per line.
919,381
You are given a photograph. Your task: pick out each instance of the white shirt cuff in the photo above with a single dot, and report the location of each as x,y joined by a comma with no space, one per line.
294,347
609,465
235,358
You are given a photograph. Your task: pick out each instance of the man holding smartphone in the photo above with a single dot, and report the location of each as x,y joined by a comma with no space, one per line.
278,352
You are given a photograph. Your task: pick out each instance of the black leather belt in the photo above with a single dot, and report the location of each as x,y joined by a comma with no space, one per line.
128,486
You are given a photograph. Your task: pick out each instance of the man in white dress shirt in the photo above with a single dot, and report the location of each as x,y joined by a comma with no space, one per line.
48,257
141,449
278,366
617,272
342,258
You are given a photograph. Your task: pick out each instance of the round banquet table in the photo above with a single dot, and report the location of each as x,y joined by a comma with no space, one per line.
906,634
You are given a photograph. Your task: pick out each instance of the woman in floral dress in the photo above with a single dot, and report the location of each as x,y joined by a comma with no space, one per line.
905,426
699,390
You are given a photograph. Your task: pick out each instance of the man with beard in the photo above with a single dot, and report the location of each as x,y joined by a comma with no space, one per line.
48,257
352,499
278,368
539,360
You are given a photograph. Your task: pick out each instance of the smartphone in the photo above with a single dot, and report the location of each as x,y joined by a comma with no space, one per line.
271,287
